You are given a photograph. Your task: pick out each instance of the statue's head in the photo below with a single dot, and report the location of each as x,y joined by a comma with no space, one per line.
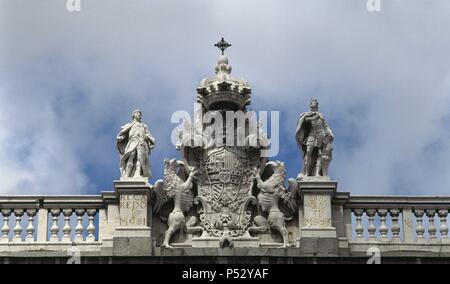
314,104
137,115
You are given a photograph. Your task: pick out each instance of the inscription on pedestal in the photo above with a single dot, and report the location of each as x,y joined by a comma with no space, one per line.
317,210
133,210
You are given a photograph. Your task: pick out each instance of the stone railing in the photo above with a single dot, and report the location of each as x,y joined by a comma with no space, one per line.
121,223
52,223
406,224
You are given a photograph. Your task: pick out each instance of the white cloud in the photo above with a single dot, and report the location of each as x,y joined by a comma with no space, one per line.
36,157
68,80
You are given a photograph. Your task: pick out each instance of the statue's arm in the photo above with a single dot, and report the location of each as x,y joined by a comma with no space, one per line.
127,126
327,127
151,139
124,129
149,136
308,117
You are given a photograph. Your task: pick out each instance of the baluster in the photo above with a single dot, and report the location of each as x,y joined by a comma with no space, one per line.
54,229
372,229
18,228
30,228
431,227
419,227
443,229
383,228
91,228
395,213
359,227
79,226
5,229
67,229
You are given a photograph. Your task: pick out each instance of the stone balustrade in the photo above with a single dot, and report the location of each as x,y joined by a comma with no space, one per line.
399,225
51,223
47,226
398,219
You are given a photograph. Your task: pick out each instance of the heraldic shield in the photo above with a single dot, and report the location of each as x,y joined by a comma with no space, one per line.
224,190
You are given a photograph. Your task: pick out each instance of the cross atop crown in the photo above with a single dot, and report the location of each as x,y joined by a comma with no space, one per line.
222,45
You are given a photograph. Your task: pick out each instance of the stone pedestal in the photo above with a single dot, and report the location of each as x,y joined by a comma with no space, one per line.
133,235
317,235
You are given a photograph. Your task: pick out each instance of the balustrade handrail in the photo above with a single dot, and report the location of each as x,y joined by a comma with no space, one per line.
43,208
55,201
398,202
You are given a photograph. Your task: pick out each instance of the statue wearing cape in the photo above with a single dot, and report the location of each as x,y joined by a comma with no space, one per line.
317,135
134,143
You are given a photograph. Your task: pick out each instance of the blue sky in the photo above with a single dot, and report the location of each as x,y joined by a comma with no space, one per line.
69,80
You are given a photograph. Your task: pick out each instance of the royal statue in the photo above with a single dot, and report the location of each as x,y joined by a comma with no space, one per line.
134,143
314,138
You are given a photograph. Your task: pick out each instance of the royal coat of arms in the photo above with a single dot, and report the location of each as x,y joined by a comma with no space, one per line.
225,183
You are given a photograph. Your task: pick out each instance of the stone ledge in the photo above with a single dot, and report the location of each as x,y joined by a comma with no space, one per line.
236,251
402,249
186,260
48,249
